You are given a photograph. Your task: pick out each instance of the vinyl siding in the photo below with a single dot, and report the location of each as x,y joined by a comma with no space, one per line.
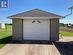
54,29
17,29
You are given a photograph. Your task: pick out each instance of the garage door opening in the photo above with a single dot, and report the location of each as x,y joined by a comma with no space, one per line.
36,30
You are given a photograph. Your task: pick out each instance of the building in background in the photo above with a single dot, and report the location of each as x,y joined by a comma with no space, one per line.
2,25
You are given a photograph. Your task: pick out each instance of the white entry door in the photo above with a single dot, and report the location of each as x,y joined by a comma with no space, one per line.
36,30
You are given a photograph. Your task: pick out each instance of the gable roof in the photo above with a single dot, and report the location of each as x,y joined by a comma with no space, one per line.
35,13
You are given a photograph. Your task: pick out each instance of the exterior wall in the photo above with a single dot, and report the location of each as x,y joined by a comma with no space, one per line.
17,29
54,29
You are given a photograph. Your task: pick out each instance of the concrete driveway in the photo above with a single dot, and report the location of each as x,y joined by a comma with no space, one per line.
29,49
66,39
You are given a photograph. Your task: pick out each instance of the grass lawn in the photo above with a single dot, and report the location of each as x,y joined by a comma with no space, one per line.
64,33
1,45
6,32
5,35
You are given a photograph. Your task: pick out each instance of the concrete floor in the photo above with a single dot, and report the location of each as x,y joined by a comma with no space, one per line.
29,49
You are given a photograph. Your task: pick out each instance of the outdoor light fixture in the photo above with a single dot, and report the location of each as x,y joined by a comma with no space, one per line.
33,21
71,8
38,21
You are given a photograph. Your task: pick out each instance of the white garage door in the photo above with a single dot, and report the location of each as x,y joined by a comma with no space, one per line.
36,30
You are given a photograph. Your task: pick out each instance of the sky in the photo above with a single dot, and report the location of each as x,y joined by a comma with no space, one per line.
59,7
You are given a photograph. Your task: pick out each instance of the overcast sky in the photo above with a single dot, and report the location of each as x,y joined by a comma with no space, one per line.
59,7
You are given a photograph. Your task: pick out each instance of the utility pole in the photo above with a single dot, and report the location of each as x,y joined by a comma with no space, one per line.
71,9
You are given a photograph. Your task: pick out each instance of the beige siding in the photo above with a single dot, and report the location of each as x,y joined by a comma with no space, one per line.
54,29
17,29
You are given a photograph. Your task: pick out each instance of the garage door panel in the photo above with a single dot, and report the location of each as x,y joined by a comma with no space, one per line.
36,31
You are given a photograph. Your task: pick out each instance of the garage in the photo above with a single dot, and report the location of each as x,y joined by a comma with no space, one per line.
35,24
36,30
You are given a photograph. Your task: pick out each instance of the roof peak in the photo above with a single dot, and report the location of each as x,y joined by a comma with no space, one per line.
36,9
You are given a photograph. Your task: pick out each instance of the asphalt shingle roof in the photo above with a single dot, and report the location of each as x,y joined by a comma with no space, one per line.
35,13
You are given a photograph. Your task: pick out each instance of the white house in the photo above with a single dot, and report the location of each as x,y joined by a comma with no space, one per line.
2,25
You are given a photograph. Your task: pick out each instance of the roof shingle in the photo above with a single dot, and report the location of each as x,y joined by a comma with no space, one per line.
35,13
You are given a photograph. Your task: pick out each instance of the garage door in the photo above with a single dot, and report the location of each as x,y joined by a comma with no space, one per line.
36,30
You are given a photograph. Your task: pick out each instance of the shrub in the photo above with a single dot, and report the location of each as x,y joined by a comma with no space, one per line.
5,40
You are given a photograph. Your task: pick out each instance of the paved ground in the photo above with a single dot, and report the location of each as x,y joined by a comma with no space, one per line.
29,49
66,39
62,47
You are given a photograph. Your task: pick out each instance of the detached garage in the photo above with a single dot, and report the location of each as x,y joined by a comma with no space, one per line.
35,25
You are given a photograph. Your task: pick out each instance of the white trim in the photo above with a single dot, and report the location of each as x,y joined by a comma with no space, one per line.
36,17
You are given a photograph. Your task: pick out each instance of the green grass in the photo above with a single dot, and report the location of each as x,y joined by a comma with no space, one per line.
64,33
5,35
6,32
2,45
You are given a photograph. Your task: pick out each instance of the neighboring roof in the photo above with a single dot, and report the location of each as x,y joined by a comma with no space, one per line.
35,13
